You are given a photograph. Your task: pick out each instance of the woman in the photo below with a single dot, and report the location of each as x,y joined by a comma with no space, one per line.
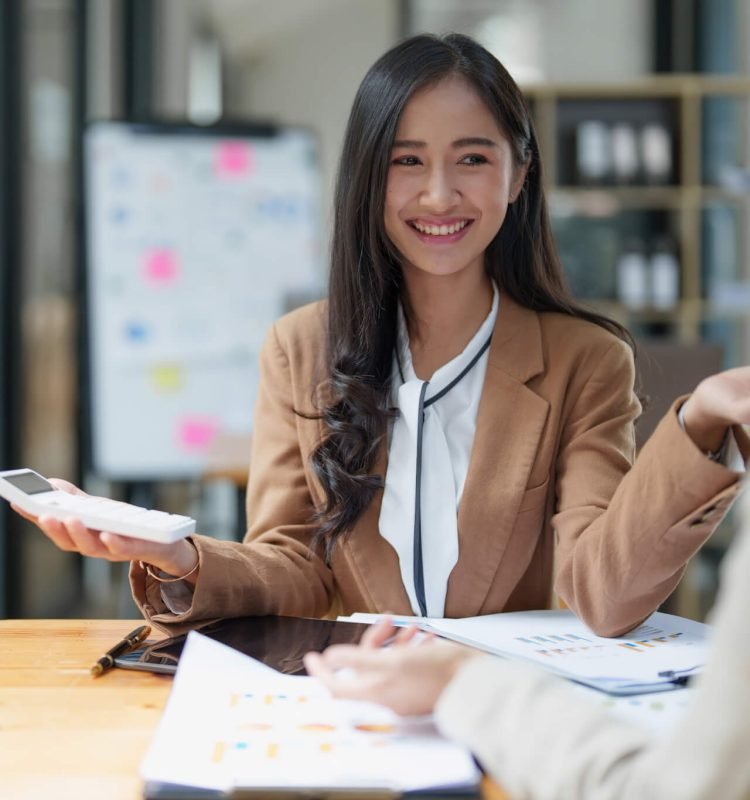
449,434
540,739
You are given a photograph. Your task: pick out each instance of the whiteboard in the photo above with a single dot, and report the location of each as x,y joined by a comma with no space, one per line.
196,240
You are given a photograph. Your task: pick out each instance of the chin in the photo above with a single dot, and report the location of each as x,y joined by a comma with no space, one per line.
438,270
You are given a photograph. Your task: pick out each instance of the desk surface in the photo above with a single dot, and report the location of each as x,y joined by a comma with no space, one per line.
66,735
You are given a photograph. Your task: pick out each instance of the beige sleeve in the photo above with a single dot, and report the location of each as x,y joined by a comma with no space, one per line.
273,571
541,740
534,735
624,535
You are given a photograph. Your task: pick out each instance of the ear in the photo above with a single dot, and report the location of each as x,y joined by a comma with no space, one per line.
519,178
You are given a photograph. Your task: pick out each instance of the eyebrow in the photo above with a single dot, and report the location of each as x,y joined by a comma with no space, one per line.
468,141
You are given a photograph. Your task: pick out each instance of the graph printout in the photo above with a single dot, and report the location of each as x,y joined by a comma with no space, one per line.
231,722
560,641
649,658
660,713
197,240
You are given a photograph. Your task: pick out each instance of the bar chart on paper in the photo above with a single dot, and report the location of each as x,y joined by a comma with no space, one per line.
262,729
264,735
649,658
565,645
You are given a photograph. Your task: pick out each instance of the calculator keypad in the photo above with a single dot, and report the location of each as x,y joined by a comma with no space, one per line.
101,513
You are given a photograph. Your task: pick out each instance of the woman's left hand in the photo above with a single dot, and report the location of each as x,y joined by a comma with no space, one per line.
407,678
718,402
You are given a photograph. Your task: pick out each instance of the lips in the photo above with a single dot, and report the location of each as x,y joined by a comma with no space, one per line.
440,231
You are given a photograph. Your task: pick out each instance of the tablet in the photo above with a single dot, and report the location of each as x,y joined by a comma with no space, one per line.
278,642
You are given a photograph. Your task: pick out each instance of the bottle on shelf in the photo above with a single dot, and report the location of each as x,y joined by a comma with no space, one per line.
632,276
656,153
625,156
593,151
665,275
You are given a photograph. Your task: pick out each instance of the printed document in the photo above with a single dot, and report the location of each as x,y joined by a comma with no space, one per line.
656,656
233,723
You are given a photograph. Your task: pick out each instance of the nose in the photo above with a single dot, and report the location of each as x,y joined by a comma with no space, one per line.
439,193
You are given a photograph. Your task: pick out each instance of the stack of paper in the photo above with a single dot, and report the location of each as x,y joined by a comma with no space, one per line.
232,723
656,656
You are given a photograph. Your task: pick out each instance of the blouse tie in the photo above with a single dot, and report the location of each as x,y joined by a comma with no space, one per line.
428,459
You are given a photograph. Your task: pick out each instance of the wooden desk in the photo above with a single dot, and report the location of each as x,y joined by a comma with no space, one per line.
66,735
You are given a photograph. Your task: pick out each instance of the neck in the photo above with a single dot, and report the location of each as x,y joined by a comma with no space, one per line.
442,315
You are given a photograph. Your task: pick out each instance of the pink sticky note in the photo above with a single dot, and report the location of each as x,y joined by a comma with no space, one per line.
233,159
196,433
160,266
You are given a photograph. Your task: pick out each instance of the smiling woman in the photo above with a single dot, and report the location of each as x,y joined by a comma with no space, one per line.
449,434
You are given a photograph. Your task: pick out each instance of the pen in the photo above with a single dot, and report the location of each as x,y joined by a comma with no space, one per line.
680,677
133,639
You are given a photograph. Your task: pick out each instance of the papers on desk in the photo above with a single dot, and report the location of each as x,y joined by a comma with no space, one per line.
650,658
658,713
232,723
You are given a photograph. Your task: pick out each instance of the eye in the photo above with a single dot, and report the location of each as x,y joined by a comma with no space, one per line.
473,160
406,161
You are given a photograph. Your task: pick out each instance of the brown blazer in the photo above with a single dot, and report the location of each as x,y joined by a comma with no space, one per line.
550,502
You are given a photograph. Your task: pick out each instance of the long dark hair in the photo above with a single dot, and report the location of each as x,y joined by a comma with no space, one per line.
365,276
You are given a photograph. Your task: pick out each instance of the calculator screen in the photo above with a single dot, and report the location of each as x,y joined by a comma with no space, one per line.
30,482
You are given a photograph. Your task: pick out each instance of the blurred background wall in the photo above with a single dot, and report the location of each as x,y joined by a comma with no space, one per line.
641,108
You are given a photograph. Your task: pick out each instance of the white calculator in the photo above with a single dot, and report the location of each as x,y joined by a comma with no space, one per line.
36,495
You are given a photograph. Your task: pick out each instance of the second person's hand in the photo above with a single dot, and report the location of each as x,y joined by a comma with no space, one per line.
407,679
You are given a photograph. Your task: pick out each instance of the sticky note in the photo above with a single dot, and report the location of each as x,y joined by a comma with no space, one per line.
119,215
136,331
197,433
167,378
121,177
161,266
233,159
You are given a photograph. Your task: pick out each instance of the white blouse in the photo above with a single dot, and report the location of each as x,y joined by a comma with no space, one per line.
446,439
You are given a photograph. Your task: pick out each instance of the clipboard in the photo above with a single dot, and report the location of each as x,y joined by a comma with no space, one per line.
165,791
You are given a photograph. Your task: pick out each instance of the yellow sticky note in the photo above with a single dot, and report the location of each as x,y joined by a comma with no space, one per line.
167,378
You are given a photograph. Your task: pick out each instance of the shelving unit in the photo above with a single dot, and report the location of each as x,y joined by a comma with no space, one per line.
707,219
676,208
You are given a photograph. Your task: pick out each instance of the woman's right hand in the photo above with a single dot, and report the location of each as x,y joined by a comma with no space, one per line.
177,558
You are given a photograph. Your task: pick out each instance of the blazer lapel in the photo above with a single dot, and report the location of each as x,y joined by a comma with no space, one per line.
510,422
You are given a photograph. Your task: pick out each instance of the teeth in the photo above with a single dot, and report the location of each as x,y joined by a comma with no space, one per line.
441,230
